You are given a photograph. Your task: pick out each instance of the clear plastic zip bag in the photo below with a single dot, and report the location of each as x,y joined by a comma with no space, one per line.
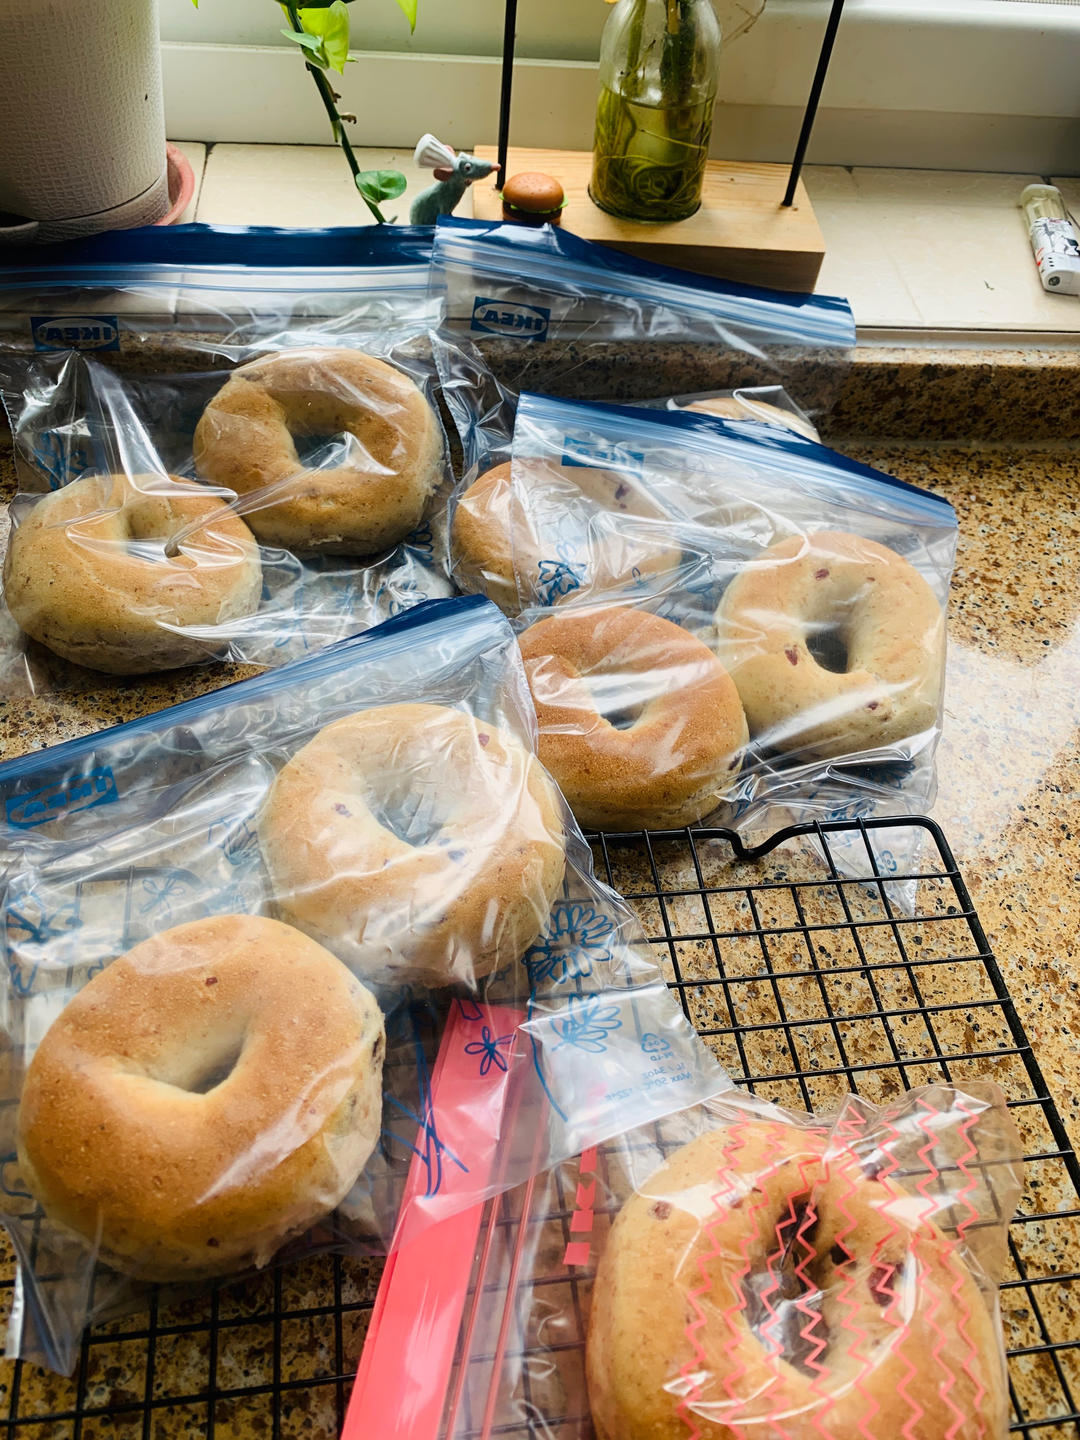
522,552
285,380
744,1271
822,594
236,932
194,520
554,313
198,296
555,527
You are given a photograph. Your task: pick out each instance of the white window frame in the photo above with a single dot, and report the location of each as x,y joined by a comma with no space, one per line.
944,84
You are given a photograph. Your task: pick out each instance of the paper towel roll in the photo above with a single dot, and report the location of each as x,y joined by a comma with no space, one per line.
82,126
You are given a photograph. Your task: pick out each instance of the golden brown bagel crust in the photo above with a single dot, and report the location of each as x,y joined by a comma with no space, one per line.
244,441
89,573
670,767
889,618
699,1241
733,407
116,1140
498,551
467,894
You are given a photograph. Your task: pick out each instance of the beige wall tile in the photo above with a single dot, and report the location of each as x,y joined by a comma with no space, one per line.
936,187
936,249
829,182
858,265
970,267
297,185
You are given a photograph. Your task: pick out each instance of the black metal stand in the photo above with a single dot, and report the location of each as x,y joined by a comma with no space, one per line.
810,114
509,37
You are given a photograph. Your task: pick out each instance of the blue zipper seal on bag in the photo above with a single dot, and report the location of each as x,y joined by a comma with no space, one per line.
458,616
548,253
788,453
246,247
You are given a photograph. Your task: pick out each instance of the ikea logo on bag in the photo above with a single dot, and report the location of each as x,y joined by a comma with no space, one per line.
75,332
52,801
505,317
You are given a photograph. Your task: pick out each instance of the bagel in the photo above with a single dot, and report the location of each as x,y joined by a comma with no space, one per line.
741,405
760,1284
863,602
548,533
416,842
639,724
203,1098
245,440
112,570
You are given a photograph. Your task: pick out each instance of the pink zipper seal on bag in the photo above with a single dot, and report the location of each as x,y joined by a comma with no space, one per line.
401,1384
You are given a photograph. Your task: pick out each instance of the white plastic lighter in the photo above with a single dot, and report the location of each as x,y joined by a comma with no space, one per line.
1053,239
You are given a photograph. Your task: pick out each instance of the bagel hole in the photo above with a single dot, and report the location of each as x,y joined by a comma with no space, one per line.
626,717
614,700
783,1292
146,531
828,646
408,810
318,450
216,1072
138,527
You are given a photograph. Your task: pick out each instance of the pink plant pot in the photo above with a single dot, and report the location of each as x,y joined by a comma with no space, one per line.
181,185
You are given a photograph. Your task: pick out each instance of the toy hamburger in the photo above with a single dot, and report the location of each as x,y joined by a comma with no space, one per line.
533,199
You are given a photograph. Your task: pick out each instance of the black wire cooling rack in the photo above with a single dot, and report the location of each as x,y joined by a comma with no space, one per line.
836,957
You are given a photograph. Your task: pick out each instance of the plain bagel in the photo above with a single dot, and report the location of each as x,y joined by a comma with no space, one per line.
416,842
639,723
112,570
203,1098
393,457
743,405
760,1283
871,606
549,532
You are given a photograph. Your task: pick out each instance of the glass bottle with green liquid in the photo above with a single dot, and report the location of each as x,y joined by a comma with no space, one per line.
658,62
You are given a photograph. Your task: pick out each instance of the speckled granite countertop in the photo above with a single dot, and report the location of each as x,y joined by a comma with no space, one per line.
1009,762
1009,766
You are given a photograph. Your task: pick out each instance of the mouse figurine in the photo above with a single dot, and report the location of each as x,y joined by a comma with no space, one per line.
453,175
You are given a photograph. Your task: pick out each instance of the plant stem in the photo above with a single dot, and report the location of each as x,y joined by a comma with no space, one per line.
633,73
677,56
326,95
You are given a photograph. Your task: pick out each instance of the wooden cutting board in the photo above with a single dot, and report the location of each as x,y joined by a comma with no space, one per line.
741,231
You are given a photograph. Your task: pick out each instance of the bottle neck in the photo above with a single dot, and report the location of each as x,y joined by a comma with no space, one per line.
661,51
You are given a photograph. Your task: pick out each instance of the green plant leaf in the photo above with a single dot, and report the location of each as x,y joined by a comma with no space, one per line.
408,9
376,185
311,43
331,26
